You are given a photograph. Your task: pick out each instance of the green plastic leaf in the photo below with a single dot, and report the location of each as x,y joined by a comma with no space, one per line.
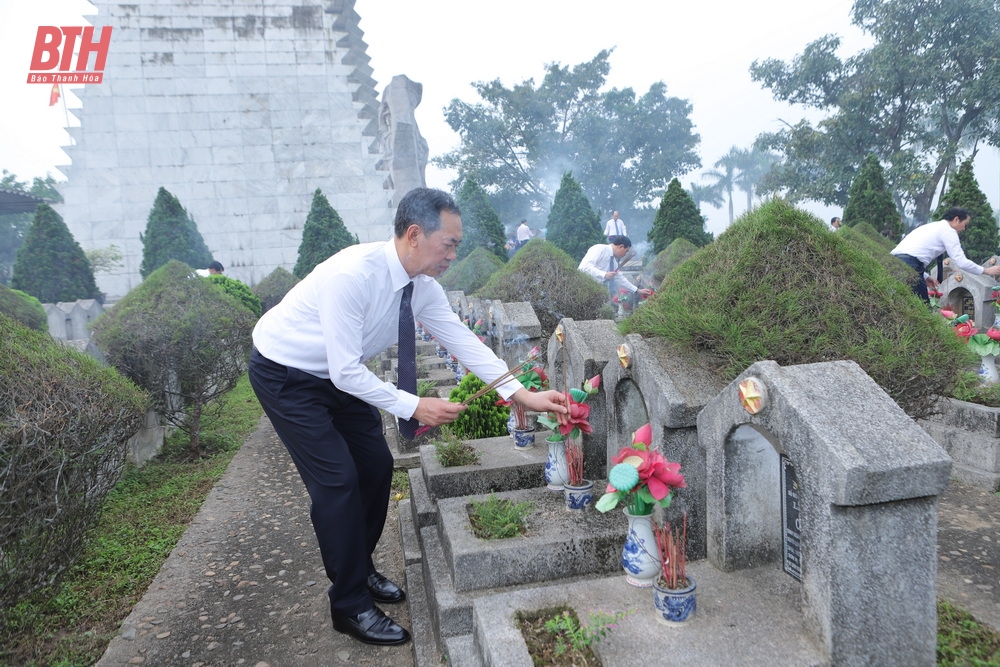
645,495
556,437
575,433
608,501
579,395
548,422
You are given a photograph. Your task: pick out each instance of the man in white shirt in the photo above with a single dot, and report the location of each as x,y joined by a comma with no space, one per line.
615,227
308,370
925,243
601,264
524,234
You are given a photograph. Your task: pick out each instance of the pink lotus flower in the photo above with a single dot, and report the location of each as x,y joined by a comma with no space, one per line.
965,330
948,314
655,472
993,333
592,385
643,437
579,413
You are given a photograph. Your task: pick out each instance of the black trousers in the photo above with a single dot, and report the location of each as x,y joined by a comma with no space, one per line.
919,287
337,445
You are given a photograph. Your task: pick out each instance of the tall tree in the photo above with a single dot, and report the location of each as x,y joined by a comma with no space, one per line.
705,194
623,147
725,174
980,240
753,164
14,226
323,235
869,201
573,226
481,226
51,266
171,234
926,90
678,217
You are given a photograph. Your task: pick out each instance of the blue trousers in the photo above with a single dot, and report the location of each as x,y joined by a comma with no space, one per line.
338,448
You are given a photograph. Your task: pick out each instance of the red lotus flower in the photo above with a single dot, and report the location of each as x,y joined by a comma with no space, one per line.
965,330
579,413
655,472
948,314
643,436
993,333
592,385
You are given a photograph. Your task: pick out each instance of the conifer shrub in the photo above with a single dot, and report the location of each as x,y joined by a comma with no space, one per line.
871,233
573,226
171,233
548,279
869,200
481,226
777,285
483,418
24,308
670,257
180,338
51,266
64,424
273,288
238,291
981,238
323,235
677,217
469,274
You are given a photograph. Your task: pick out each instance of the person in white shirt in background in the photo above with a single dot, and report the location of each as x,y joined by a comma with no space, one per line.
601,264
524,234
615,227
929,241
308,370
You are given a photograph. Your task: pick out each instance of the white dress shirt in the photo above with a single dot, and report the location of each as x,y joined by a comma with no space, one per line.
928,241
613,227
347,311
523,233
597,262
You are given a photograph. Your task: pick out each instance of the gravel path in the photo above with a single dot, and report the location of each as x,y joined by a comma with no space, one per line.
245,584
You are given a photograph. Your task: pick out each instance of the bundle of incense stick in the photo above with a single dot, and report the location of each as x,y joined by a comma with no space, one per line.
514,374
625,260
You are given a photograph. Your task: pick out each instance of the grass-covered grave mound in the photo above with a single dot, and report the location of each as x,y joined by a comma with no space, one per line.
778,285
547,278
470,273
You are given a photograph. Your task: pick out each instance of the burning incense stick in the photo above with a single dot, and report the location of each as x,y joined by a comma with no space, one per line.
625,260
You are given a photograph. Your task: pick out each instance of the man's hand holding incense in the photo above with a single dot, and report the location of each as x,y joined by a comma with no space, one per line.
437,411
544,401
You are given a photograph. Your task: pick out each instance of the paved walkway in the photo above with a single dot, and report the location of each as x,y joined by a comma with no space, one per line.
245,585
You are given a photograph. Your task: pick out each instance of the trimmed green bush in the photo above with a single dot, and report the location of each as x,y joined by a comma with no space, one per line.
981,238
64,424
180,338
869,200
678,217
323,236
483,418
51,265
24,308
549,280
238,291
273,288
481,226
777,285
573,226
670,257
171,234
471,273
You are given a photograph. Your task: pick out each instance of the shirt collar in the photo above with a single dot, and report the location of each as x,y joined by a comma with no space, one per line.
397,274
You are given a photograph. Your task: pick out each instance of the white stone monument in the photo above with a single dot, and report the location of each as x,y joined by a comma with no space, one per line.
241,109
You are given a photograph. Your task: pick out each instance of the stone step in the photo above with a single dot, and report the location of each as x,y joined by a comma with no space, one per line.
501,467
559,543
461,652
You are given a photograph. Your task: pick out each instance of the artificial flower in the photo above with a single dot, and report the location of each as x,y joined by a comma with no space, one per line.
947,314
643,436
655,472
579,413
965,330
993,333
592,385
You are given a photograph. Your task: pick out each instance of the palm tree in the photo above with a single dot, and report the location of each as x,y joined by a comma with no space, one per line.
707,194
725,175
753,164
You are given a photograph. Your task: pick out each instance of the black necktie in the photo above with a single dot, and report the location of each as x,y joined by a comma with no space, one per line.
406,362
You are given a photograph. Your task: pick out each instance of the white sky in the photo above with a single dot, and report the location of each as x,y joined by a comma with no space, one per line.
701,50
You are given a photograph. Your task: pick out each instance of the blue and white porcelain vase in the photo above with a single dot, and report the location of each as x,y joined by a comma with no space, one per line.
640,559
988,369
556,470
511,423
579,497
523,438
675,606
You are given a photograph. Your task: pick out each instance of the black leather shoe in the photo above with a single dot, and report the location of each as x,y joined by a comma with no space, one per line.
383,590
372,627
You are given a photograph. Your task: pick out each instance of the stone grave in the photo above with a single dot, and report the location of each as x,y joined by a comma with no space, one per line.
970,294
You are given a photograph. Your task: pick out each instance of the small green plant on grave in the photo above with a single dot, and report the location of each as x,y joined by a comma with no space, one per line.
426,388
451,450
570,633
498,518
970,389
555,636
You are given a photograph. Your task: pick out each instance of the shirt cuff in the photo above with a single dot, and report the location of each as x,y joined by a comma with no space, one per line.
405,406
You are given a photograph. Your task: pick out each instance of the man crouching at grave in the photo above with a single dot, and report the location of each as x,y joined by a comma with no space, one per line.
308,370
602,264
932,241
